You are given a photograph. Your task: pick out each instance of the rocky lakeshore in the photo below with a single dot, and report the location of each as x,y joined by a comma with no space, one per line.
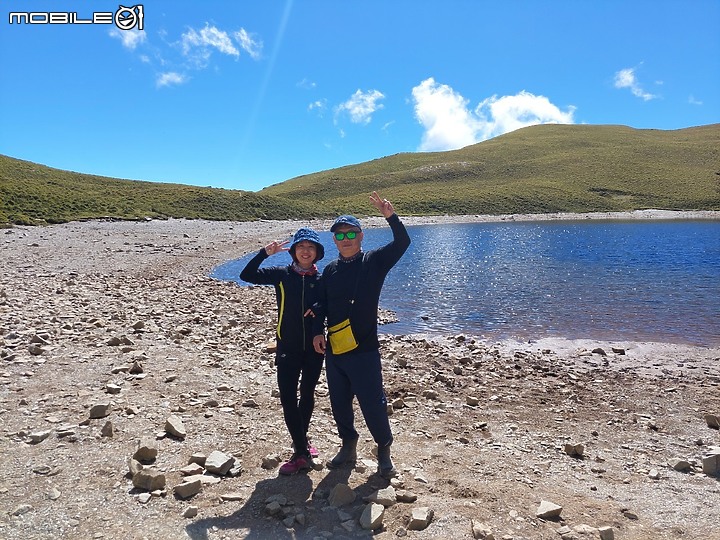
138,400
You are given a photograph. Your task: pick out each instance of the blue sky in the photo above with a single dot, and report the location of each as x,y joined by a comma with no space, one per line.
245,94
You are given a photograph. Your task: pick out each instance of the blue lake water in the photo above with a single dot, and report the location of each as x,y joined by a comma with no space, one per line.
602,280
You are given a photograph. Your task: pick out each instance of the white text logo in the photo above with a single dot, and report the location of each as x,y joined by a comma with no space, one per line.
125,18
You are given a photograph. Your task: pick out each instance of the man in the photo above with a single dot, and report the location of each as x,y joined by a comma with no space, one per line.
350,293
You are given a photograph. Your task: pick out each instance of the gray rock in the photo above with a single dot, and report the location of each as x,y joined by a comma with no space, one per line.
41,339
712,421
341,495
112,388
481,531
190,512
192,469
147,451
679,464
149,479
273,508
206,479
219,463
711,464
136,367
35,349
175,427
134,467
606,533
107,430
22,509
100,410
548,510
198,458
187,489
372,516
38,436
232,496
420,519
405,496
271,461
386,497
574,449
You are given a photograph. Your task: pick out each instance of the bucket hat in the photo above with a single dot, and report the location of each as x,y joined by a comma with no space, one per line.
311,236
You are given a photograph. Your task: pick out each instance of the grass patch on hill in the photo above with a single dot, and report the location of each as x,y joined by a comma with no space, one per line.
539,169
35,194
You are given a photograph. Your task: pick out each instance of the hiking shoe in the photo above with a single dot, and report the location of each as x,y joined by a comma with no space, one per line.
295,465
312,450
347,454
385,465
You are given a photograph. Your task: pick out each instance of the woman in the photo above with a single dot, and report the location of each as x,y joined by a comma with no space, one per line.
296,289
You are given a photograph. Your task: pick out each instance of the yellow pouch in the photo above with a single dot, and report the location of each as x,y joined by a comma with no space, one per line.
342,338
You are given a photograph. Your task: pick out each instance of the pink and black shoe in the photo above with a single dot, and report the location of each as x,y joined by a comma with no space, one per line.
313,451
296,464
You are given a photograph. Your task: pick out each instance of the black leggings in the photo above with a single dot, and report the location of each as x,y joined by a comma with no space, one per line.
294,368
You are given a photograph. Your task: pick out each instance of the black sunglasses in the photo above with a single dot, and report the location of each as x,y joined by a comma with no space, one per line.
350,235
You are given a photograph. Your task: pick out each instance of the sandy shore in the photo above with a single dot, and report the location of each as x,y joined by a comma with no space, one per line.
481,428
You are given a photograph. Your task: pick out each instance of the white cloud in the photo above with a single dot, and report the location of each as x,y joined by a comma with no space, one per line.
625,78
193,51
361,106
198,46
306,84
509,113
320,105
248,44
169,78
693,101
130,38
449,123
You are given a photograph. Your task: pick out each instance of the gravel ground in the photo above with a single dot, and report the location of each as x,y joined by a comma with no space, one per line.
122,316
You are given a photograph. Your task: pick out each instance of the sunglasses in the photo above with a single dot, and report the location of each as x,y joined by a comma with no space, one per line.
350,235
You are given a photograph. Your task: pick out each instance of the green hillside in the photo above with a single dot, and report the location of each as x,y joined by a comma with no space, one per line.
539,169
32,194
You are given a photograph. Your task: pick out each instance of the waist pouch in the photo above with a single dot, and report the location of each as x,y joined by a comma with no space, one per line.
341,336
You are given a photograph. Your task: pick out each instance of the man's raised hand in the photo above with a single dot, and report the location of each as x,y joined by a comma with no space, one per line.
383,205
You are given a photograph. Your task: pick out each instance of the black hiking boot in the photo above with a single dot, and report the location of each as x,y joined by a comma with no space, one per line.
347,454
385,464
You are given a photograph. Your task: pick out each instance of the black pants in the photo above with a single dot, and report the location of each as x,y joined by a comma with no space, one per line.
358,375
293,368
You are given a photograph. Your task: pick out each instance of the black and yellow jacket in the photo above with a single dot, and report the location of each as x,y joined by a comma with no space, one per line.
295,294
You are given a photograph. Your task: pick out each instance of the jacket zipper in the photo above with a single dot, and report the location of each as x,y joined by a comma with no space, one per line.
302,308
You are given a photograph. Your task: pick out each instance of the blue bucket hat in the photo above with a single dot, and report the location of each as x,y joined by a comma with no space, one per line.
346,220
311,236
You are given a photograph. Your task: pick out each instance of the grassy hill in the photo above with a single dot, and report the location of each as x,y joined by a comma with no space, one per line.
539,169
548,168
32,194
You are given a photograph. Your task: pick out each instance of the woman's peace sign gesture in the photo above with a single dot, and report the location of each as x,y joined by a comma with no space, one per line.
276,247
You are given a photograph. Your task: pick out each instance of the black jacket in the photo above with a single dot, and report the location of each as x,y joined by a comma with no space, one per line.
353,288
295,294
